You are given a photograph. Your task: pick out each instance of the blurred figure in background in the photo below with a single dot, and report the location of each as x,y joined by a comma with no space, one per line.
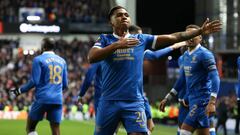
222,113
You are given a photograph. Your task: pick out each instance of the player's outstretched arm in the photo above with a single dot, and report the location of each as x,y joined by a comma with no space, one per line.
152,55
178,45
207,28
25,88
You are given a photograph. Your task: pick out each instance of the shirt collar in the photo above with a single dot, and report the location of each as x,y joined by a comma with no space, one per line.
116,36
48,52
191,52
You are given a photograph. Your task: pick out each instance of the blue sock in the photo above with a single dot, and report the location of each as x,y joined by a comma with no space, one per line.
212,131
178,131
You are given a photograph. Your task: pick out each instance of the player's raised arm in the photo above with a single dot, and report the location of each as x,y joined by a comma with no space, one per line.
207,28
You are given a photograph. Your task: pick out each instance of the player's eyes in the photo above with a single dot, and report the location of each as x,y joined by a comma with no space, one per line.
120,14
127,15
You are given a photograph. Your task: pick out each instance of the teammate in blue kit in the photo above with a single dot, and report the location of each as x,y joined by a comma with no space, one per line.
202,85
49,77
180,91
93,73
121,55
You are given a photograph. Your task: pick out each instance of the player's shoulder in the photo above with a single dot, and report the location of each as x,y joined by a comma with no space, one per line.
141,35
185,54
95,65
180,57
38,58
60,58
205,52
105,36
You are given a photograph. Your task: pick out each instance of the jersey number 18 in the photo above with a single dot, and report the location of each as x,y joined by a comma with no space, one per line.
55,74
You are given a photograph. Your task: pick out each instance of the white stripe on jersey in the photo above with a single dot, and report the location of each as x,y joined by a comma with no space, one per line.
154,42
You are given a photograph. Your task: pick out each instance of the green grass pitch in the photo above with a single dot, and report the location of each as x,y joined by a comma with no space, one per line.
17,127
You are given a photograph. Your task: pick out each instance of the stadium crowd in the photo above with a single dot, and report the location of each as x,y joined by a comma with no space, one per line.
57,11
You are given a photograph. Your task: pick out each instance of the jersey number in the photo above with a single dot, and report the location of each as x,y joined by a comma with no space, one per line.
141,118
55,74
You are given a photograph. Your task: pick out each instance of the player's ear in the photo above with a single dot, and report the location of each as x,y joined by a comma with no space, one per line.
110,22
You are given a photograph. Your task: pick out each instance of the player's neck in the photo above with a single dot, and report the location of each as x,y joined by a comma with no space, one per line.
191,49
121,33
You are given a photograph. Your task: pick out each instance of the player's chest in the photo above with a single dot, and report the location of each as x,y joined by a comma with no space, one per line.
129,54
192,63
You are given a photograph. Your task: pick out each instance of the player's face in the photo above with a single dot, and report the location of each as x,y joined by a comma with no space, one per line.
120,19
194,41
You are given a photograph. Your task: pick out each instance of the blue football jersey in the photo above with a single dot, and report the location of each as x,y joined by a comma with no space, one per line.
197,67
182,89
49,76
122,71
238,66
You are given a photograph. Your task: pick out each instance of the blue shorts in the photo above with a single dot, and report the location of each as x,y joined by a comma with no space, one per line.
130,113
197,117
183,112
53,112
147,109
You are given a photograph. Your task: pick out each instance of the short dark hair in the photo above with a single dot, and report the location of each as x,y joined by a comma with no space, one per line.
134,29
111,12
48,44
193,26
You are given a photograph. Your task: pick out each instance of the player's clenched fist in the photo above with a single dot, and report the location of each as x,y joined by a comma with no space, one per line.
15,92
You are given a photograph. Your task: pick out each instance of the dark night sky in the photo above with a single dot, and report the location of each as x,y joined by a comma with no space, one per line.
165,16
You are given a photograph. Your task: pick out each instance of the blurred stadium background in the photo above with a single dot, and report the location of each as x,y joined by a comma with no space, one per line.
75,24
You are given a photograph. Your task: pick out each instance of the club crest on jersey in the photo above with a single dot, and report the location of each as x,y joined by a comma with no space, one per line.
194,59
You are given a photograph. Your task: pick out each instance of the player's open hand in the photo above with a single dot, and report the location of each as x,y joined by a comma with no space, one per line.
211,27
162,105
127,42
